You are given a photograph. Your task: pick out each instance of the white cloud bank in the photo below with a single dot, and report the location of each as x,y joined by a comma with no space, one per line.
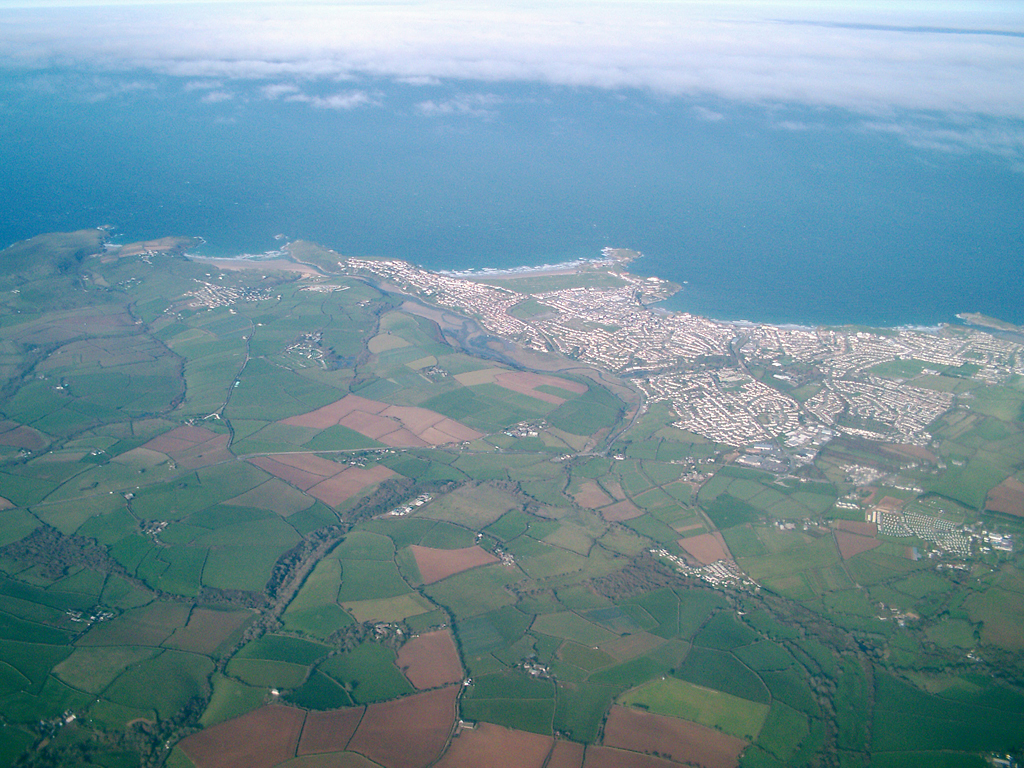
873,58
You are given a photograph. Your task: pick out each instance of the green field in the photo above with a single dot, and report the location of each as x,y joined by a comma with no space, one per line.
677,698
580,709
473,505
649,666
362,545
545,283
389,609
513,700
695,608
318,621
783,731
165,682
764,655
368,673
174,582
474,592
569,626
264,674
320,589
285,649
93,669
242,568
724,631
907,719
230,698
320,692
724,672
533,715
370,579
149,625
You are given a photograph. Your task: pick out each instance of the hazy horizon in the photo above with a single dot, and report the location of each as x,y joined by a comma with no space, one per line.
765,152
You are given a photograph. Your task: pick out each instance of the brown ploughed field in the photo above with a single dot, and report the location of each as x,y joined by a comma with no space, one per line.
323,479
526,383
333,413
491,746
207,629
890,504
19,436
370,424
180,439
192,447
623,510
707,548
260,739
299,478
630,646
308,462
412,418
850,544
858,527
682,740
430,660
347,483
403,438
437,564
329,731
394,425
608,757
1007,497
566,754
590,496
205,454
434,436
426,720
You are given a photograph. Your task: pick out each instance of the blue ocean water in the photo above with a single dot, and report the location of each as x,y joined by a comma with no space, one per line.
780,215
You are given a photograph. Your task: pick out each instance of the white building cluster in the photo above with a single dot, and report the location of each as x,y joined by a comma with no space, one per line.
211,295
721,573
666,355
947,536
487,304
725,406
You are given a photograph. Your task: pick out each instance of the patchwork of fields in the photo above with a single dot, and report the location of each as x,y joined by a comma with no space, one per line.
286,520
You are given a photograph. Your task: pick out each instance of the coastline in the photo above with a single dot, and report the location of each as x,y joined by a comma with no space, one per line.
561,268
609,258
279,260
268,264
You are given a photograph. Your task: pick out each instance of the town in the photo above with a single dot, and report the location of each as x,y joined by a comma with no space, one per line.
811,383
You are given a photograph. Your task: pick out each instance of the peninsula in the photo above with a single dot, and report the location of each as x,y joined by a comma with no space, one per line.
303,508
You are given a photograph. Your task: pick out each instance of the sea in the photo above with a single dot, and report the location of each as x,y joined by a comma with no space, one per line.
761,212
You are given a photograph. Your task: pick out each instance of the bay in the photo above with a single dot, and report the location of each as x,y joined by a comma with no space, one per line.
766,213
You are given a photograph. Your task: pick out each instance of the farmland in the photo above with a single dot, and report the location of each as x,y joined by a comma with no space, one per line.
677,739
430,660
293,518
675,698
